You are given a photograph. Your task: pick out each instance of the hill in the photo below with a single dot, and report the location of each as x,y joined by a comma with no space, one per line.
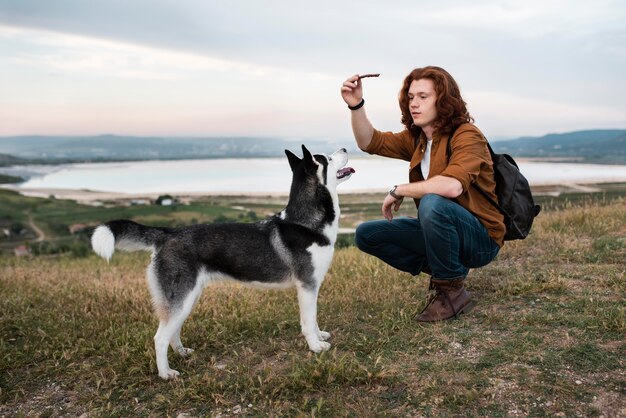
6,160
58,149
546,337
598,146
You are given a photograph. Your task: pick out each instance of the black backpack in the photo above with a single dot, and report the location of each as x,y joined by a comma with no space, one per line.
514,196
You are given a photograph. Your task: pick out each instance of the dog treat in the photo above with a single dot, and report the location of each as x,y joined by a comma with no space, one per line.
368,75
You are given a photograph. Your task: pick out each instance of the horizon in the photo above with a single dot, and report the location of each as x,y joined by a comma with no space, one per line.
241,69
275,137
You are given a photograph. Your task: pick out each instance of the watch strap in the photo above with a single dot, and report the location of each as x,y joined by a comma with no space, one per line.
393,194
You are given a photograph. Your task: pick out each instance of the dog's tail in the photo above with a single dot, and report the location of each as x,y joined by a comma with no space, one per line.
125,235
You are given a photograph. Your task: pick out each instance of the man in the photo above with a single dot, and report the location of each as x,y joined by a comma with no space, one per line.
456,228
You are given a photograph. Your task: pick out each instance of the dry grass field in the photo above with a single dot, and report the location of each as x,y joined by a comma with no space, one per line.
546,337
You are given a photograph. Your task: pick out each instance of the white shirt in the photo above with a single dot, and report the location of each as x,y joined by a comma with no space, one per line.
425,164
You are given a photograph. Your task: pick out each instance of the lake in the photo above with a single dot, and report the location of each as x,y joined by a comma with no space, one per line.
261,175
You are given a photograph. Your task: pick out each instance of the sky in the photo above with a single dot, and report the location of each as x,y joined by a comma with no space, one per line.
274,68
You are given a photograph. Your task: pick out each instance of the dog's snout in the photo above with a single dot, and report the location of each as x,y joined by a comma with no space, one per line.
340,157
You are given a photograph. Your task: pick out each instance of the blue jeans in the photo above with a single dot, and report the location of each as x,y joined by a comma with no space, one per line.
445,240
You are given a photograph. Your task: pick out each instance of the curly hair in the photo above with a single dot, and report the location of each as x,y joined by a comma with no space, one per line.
451,109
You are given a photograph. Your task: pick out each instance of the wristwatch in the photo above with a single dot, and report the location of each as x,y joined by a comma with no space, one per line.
393,194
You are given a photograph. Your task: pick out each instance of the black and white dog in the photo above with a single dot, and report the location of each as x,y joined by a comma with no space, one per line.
292,248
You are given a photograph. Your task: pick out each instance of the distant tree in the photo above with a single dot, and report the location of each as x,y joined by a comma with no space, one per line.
161,198
17,228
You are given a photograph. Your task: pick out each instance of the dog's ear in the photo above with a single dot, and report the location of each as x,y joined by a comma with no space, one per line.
309,161
294,160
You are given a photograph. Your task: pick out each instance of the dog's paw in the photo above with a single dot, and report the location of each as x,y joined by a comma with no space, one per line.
323,335
169,374
319,346
183,351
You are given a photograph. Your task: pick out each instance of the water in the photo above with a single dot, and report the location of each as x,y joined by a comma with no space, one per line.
263,175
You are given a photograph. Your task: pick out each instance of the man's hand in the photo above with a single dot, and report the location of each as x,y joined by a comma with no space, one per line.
388,203
352,90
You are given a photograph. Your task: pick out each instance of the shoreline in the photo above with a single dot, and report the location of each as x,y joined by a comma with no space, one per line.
95,185
95,195
92,196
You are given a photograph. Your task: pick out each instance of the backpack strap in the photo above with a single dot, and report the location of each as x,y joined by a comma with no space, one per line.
476,186
449,148
490,200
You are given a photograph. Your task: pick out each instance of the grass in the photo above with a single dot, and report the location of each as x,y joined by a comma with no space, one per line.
55,216
546,337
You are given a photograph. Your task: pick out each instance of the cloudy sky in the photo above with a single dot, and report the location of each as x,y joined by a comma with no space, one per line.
274,68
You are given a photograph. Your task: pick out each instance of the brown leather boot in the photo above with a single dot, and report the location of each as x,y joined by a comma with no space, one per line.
449,300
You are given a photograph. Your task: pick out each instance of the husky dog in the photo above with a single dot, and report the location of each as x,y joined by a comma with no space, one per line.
292,248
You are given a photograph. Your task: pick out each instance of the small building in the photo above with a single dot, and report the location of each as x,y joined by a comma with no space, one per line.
165,200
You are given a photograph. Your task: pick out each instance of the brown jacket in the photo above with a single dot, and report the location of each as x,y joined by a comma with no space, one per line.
470,162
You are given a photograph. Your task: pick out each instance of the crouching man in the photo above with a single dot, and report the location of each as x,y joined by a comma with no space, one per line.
456,227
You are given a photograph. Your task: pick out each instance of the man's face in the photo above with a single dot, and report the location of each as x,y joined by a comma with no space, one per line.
422,100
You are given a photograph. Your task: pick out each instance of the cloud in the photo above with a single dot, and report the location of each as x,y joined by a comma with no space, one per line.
73,53
239,59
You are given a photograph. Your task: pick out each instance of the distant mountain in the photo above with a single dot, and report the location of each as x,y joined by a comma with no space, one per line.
112,147
598,146
6,160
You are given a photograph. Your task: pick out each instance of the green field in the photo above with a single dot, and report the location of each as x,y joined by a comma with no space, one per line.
53,217
546,337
